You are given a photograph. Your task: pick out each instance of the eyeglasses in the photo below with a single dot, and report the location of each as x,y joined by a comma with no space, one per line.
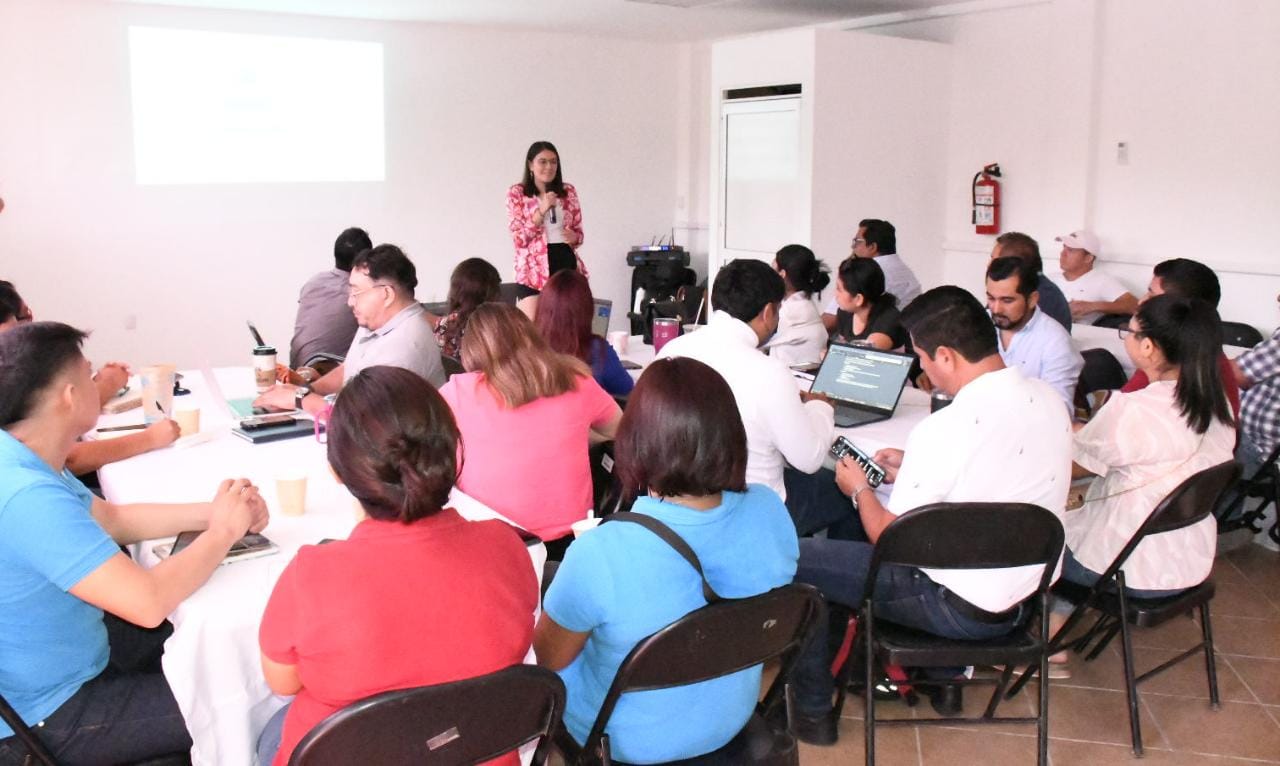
357,293
1125,332
859,241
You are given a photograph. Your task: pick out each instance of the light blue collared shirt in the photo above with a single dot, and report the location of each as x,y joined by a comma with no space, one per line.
1042,349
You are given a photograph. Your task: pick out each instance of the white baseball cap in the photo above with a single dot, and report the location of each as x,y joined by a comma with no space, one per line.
1081,240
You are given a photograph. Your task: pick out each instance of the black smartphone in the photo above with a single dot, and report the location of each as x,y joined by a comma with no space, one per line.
844,448
259,422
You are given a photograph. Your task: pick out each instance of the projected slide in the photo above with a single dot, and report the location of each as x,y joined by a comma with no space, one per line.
212,107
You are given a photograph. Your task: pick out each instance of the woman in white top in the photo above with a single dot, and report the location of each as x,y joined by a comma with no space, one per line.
1145,443
801,336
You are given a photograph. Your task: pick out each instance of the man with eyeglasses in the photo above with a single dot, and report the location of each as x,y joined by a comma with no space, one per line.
392,332
324,324
879,240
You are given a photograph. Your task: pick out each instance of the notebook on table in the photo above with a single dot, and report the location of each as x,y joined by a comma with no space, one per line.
864,384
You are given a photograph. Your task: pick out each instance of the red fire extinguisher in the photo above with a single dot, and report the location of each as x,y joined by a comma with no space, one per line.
986,200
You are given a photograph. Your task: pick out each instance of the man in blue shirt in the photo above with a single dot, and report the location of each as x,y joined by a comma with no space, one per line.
1052,301
61,566
1027,338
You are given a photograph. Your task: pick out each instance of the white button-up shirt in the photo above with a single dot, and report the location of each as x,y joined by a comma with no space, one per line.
1140,446
1043,349
780,428
1004,438
406,341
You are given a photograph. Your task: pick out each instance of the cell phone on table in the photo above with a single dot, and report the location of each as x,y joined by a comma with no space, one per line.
843,448
251,546
258,422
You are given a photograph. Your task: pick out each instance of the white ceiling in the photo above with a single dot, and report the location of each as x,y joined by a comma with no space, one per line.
674,20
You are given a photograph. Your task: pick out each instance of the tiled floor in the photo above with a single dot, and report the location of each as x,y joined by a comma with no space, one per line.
1088,718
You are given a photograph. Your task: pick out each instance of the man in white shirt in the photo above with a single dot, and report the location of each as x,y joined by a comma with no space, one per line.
879,239
1004,438
783,425
393,332
1091,292
1028,338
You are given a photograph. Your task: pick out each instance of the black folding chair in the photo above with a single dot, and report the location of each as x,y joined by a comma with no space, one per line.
1240,334
1190,502
721,638
451,366
1264,484
39,754
453,724
963,536
35,749
1113,321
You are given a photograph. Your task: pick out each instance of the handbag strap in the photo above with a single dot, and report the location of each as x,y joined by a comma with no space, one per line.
675,541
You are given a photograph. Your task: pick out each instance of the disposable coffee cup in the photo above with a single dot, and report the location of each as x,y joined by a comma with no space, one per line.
291,493
619,339
582,527
938,400
157,391
264,367
188,421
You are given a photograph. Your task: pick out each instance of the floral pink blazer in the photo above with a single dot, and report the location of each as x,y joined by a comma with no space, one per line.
531,240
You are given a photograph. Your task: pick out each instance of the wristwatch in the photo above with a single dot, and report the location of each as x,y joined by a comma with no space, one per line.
299,394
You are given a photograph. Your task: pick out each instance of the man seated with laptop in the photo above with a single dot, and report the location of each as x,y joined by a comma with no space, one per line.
61,567
392,332
784,426
1004,438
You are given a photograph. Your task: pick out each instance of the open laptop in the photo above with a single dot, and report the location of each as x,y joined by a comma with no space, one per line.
863,383
600,318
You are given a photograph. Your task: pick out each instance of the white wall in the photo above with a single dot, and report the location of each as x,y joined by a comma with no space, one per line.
86,245
1191,86
880,121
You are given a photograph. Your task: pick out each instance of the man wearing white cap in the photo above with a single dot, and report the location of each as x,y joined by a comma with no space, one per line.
1091,292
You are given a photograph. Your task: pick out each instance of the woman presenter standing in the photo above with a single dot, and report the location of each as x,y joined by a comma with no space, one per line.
545,220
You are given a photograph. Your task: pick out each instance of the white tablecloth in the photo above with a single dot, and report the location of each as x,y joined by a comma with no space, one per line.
212,659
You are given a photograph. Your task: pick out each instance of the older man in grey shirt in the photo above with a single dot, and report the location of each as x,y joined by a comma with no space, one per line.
393,332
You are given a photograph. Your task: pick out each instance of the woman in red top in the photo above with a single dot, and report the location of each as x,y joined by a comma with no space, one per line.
545,219
417,595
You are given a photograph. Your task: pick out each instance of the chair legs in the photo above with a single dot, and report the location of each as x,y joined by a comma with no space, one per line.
1130,684
1210,663
869,699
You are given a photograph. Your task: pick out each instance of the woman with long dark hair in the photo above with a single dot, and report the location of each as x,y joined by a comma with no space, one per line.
801,337
564,315
682,448
474,281
545,219
866,312
1143,444
416,595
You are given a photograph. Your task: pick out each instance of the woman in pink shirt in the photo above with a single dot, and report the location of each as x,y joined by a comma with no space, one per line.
527,416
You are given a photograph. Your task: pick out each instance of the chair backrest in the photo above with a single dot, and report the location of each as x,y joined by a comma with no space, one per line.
1101,371
1190,501
453,724
509,293
970,536
716,640
451,366
1240,334
1113,320
24,734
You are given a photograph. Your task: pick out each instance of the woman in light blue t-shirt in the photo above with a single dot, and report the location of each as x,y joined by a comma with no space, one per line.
682,448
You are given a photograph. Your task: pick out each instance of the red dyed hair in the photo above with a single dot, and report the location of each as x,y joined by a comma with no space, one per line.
564,314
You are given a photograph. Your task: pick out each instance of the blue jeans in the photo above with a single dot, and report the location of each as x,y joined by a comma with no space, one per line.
126,714
269,739
903,595
816,503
